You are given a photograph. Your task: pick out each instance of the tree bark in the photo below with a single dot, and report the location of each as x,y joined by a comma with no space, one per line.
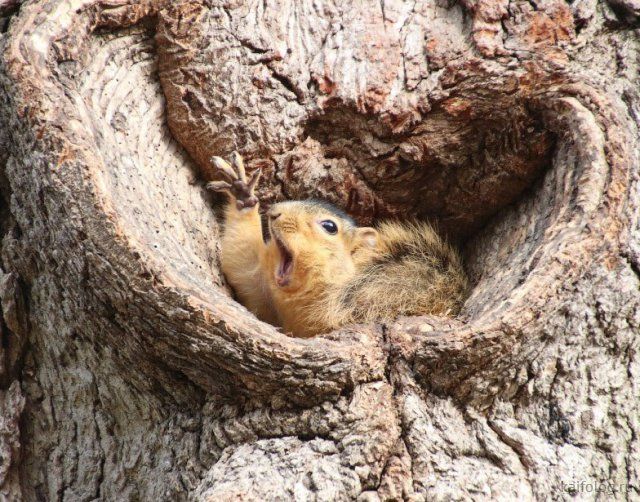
128,371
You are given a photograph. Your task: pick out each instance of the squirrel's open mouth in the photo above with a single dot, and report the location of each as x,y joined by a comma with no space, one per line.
285,266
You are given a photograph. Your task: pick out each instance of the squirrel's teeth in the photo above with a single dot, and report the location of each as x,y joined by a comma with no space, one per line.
285,267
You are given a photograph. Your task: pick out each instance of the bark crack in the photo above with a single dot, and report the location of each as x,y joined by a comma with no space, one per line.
288,84
633,264
514,445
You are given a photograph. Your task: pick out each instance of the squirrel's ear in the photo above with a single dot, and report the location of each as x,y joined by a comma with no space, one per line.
366,237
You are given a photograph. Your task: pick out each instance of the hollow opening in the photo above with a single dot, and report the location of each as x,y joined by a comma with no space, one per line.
478,166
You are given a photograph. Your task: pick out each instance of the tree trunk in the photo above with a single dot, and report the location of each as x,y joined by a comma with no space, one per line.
130,373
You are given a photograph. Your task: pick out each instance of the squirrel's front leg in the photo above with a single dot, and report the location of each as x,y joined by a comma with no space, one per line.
242,245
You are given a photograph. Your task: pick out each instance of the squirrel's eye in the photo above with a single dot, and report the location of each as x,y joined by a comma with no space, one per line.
329,226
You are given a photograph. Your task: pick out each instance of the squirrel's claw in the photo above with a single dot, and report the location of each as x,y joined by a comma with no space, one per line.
255,177
224,167
235,181
219,186
238,164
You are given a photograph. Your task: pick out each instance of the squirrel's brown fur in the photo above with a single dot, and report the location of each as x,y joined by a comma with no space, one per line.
309,280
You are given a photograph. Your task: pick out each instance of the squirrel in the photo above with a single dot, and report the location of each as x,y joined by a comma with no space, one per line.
312,269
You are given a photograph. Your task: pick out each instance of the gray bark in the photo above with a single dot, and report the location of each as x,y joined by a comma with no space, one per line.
129,372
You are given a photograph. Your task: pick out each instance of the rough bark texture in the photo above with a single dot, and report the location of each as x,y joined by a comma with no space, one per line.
129,372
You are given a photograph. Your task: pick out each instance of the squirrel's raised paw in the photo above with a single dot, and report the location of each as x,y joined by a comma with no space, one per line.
235,181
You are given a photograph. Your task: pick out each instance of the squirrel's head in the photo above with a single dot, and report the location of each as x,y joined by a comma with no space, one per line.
312,243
